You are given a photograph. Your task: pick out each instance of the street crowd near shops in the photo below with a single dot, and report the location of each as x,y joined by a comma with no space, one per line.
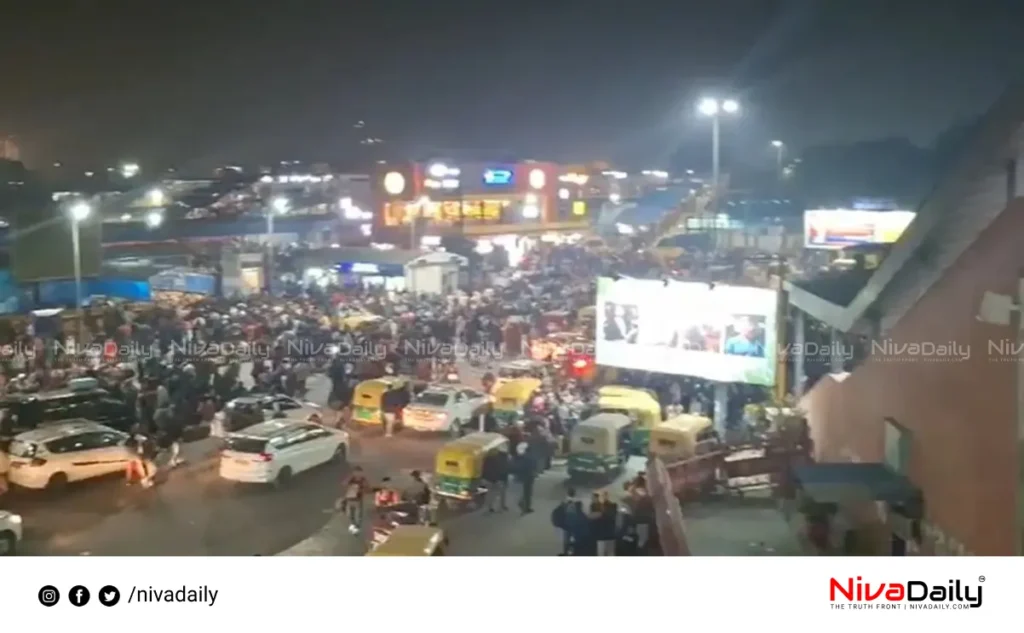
174,366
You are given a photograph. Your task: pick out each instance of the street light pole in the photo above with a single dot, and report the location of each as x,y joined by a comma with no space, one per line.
277,205
715,152
78,213
780,149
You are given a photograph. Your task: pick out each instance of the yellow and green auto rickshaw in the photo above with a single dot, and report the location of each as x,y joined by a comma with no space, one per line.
412,540
367,401
511,397
644,410
600,445
683,437
357,320
460,463
623,390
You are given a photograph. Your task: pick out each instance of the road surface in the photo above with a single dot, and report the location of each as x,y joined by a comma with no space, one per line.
195,513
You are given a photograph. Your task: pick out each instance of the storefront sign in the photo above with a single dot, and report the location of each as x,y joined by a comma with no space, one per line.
365,269
498,177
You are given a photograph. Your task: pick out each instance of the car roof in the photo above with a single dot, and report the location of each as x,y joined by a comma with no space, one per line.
443,388
62,429
269,429
51,395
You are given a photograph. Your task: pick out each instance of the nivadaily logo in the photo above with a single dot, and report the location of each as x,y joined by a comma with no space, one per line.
910,594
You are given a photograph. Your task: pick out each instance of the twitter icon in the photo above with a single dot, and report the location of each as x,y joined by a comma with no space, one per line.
109,596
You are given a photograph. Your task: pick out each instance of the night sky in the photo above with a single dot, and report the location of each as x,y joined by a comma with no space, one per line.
191,83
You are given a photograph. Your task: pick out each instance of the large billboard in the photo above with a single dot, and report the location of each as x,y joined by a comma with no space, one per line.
842,228
715,332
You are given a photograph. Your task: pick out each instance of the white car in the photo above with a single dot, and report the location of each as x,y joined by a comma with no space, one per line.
275,451
10,532
444,409
292,408
52,456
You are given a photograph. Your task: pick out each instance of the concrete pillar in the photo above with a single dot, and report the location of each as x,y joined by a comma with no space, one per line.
799,353
835,351
721,407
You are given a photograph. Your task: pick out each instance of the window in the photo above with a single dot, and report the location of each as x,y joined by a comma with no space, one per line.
286,404
75,443
432,399
897,447
249,445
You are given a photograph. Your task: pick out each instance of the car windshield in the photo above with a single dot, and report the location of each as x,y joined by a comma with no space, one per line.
432,399
246,445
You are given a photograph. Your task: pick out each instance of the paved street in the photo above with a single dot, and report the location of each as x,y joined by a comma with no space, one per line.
194,512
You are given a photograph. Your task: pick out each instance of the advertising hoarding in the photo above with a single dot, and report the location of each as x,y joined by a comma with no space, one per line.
842,228
719,333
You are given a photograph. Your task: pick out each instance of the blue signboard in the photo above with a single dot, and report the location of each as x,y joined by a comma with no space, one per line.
498,177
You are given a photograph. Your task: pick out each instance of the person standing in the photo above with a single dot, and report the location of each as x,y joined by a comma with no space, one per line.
527,473
353,499
606,526
565,517
496,473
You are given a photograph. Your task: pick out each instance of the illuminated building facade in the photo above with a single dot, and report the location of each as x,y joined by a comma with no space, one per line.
475,199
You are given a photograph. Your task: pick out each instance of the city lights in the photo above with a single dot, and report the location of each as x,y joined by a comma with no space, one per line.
80,211
394,183
713,107
280,204
155,198
154,219
537,178
130,170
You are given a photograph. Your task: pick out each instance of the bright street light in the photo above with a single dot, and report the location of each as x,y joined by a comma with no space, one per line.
130,170
780,149
712,108
156,197
708,107
80,211
280,204
154,219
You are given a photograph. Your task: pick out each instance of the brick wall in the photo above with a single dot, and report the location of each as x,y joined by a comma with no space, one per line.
958,403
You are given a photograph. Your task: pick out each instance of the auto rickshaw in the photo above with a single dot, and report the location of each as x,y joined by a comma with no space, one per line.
460,463
555,321
642,408
356,321
368,398
623,390
683,437
511,397
587,315
600,445
412,540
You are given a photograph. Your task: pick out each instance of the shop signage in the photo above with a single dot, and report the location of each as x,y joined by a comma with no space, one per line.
498,177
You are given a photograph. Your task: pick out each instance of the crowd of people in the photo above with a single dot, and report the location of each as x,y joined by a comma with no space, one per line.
175,364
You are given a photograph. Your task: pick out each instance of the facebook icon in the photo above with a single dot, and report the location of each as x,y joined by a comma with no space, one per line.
79,596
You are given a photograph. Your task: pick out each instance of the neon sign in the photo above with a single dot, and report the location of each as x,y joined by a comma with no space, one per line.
498,177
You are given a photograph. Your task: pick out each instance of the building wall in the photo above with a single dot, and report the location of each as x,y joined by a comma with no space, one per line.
959,405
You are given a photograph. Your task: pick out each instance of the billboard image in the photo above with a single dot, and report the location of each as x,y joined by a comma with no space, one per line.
720,333
841,228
